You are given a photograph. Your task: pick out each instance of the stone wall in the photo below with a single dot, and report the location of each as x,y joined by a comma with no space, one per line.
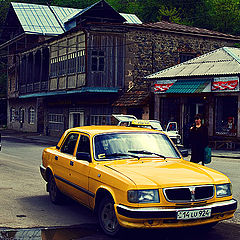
149,51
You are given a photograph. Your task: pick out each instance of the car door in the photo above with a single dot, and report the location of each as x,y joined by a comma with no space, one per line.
79,171
62,161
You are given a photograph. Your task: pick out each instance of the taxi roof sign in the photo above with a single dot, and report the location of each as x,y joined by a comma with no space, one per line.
141,122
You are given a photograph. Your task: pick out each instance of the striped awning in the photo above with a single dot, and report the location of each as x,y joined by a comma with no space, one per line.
189,86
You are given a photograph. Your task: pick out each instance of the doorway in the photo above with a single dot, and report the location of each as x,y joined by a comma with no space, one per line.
76,119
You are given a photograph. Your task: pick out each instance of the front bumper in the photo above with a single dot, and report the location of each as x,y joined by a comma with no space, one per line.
160,217
43,172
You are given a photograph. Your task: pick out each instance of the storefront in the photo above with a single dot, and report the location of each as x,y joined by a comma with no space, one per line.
214,93
218,106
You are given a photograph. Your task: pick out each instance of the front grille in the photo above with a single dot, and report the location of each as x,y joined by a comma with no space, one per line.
189,194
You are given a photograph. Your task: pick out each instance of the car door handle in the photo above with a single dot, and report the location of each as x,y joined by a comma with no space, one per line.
56,157
71,163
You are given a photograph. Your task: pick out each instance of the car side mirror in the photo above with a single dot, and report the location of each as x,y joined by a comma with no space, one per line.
83,156
184,152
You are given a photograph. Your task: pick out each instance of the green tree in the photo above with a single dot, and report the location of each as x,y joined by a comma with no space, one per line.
173,14
224,15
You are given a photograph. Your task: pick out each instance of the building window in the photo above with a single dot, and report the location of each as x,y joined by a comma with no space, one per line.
98,60
55,121
62,66
100,120
31,115
226,116
186,56
54,67
72,63
12,115
21,115
81,61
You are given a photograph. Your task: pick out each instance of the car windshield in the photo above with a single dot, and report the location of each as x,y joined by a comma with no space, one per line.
130,145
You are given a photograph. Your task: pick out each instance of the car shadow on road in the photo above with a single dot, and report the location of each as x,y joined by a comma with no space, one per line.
42,212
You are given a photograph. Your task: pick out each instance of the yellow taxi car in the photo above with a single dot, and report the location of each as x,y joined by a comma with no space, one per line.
135,178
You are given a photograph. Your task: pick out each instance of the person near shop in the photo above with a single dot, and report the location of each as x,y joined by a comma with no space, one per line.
198,139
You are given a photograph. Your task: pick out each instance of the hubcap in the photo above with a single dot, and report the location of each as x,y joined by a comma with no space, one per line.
108,217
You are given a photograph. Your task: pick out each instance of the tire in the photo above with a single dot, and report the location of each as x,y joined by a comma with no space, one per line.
107,218
55,195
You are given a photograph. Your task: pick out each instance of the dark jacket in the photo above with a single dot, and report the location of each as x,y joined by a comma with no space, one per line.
198,140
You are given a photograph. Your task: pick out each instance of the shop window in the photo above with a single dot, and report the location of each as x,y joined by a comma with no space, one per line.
98,61
226,116
31,115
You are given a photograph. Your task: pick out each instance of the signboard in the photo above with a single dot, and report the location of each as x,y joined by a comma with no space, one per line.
163,86
225,84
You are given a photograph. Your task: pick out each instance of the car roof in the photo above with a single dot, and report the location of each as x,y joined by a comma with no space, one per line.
93,130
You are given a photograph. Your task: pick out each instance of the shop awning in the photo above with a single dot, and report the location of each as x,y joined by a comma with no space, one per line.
189,86
82,90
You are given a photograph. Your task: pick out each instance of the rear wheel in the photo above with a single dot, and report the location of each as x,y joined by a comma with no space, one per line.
107,217
55,195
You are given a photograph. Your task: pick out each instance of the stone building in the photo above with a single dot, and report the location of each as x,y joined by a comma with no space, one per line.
77,67
155,46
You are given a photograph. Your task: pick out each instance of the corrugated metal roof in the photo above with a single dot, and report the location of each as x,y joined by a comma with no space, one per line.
131,18
37,19
223,61
49,20
188,86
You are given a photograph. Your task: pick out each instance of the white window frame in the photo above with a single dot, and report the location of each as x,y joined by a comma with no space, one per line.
31,115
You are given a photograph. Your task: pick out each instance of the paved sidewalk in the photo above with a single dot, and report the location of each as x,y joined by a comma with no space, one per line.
51,141
34,137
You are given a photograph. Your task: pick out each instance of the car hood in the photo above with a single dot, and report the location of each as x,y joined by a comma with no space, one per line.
168,173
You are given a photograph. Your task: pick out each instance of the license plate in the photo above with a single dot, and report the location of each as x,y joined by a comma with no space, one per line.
193,214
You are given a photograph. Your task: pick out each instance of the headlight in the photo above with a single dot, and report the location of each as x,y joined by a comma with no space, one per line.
143,196
224,190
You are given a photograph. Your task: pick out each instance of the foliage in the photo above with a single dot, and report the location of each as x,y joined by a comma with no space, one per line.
220,15
173,14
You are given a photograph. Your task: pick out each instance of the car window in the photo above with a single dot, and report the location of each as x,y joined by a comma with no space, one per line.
172,126
70,143
84,144
125,143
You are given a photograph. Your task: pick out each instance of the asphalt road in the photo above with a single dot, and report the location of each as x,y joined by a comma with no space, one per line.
25,203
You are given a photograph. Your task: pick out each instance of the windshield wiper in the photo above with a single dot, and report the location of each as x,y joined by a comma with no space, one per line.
120,155
147,153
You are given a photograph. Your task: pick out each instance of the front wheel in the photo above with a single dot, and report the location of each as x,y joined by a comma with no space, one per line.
107,217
